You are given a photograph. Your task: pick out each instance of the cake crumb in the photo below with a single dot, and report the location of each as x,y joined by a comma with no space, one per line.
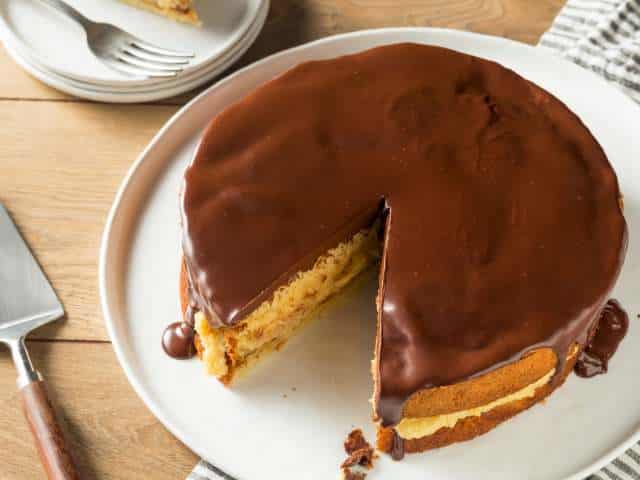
360,454
347,474
355,441
362,457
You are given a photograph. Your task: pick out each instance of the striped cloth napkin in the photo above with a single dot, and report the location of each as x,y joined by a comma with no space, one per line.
603,36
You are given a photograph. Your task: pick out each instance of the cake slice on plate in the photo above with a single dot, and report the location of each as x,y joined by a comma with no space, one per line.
179,10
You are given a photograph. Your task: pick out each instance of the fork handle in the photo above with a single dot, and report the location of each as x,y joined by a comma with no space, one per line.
52,449
69,11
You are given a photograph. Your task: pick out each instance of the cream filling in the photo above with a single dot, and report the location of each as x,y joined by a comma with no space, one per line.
410,428
275,320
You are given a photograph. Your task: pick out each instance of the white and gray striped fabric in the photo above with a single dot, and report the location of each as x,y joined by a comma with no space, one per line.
604,36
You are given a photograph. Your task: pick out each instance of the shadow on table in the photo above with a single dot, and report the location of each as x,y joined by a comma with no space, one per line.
288,25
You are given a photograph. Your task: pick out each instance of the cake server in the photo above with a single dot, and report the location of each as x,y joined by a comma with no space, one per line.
27,301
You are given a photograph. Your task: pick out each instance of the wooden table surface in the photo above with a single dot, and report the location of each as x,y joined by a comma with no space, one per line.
61,161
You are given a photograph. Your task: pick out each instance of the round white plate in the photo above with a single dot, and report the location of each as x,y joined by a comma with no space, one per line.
187,77
287,419
139,93
58,42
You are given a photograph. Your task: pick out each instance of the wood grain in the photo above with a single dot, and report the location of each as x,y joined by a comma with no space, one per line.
60,166
61,162
111,433
293,22
15,83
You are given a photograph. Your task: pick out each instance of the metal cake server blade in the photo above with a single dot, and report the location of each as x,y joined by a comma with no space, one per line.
27,301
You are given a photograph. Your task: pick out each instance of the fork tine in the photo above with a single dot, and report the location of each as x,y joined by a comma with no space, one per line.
142,54
142,45
138,62
137,71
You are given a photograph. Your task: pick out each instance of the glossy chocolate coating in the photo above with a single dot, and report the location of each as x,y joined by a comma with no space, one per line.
177,340
397,447
504,229
611,329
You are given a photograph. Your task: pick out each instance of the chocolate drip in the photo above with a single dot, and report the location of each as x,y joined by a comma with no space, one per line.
504,229
397,447
177,340
190,315
609,332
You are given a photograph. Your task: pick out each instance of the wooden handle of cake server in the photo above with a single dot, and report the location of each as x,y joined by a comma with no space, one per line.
52,449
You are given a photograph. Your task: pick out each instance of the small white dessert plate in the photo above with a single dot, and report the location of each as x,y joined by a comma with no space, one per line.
58,42
288,417
137,93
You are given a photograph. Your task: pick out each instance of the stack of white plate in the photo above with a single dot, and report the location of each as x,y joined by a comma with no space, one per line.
53,48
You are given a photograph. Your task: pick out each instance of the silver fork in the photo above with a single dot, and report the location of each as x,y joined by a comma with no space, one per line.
125,52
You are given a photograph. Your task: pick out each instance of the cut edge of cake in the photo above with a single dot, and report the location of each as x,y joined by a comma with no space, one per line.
228,352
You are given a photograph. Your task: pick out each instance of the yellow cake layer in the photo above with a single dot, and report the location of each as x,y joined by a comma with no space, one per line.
179,10
226,350
410,428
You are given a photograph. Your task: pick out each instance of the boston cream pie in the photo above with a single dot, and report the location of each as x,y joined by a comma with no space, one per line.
180,10
491,212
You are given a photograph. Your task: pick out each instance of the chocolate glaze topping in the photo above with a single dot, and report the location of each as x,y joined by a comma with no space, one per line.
397,447
177,340
504,231
609,332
